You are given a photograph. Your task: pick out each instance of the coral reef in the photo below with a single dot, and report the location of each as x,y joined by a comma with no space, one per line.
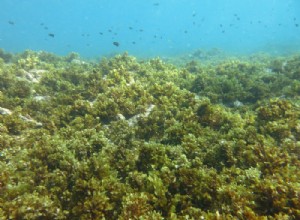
129,139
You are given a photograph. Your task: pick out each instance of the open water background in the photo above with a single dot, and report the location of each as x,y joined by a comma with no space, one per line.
149,28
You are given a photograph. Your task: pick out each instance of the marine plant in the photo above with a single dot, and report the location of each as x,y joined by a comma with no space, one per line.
145,139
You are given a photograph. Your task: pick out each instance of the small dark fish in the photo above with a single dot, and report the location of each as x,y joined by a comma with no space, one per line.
51,35
185,32
116,43
296,25
133,42
42,24
46,28
141,30
11,22
156,4
100,33
130,28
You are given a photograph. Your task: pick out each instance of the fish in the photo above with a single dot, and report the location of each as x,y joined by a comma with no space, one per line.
115,43
51,35
11,22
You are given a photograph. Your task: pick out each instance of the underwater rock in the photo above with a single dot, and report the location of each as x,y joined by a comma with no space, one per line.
33,75
77,61
237,103
5,111
30,120
41,98
134,119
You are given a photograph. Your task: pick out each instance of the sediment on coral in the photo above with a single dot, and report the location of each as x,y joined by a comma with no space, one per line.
124,138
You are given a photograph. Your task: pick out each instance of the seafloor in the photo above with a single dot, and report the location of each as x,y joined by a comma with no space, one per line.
204,136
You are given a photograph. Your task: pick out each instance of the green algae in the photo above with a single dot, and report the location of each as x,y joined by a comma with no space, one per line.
129,139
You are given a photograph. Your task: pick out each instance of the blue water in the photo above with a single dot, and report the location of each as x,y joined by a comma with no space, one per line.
149,28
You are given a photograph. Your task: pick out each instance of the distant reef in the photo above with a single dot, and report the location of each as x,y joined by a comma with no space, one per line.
206,136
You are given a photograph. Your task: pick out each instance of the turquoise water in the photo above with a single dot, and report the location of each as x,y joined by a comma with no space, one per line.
149,28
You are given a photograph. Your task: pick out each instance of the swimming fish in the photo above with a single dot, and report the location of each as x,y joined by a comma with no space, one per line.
116,43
